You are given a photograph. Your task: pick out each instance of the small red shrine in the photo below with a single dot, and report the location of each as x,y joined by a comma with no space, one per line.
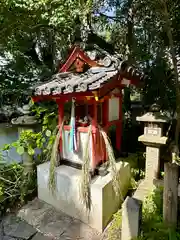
93,81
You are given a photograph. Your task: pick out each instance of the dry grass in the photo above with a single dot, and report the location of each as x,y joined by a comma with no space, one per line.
54,158
112,163
85,189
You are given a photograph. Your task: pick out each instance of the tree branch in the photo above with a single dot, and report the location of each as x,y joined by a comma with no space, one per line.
5,180
111,17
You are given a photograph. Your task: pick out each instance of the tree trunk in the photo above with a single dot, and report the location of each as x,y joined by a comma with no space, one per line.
130,44
177,77
170,198
130,32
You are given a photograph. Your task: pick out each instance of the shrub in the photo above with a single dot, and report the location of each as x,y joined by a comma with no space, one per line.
152,227
15,187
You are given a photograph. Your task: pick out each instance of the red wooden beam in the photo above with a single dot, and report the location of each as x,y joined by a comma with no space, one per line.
105,112
60,121
119,125
108,87
80,129
77,53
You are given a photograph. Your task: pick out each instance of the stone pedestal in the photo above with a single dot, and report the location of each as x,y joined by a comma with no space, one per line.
67,193
152,162
153,139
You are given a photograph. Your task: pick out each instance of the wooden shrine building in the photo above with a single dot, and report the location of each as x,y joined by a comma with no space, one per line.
92,79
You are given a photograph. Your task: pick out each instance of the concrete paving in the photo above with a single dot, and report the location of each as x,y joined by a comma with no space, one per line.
56,224
40,221
13,228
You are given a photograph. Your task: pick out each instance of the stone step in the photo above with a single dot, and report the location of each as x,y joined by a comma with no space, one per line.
54,223
143,190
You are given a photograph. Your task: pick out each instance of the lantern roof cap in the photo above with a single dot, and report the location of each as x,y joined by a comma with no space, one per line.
154,117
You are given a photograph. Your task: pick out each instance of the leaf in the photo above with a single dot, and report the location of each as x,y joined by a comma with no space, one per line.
48,133
20,150
44,128
14,144
31,151
6,147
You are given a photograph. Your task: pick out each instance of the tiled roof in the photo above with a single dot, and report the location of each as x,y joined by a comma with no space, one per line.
75,82
93,78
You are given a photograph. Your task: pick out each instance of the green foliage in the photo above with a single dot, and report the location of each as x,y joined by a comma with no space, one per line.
137,164
152,227
114,231
29,141
15,187
152,219
35,36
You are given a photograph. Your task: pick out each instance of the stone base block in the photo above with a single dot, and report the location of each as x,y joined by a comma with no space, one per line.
67,193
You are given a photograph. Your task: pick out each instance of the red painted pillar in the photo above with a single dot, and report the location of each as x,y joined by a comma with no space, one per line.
105,123
94,137
119,125
60,119
105,112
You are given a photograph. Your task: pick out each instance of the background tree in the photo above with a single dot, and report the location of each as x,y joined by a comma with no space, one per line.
35,38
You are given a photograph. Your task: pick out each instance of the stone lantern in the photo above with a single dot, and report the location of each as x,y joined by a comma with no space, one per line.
26,122
153,138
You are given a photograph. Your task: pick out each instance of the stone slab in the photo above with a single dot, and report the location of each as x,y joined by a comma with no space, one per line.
54,223
144,189
35,212
16,228
153,117
8,238
67,193
79,230
152,140
39,236
1,230
45,218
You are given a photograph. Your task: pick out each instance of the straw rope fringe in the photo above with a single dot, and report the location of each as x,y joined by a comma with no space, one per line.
54,158
85,188
112,163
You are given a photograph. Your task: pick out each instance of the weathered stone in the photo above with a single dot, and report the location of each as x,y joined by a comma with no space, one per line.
153,117
8,238
153,139
43,217
34,212
144,189
152,162
16,228
55,224
79,230
1,230
39,236
131,215
55,229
